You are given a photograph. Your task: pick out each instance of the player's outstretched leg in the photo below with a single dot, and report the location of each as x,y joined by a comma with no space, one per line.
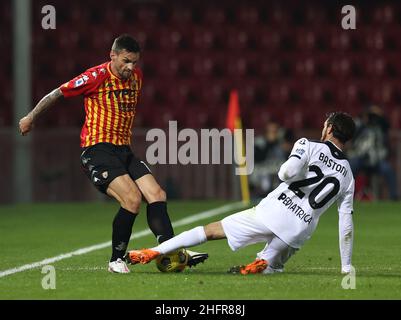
159,223
185,239
143,256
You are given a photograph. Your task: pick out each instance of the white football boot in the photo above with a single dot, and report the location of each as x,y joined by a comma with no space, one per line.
118,266
195,258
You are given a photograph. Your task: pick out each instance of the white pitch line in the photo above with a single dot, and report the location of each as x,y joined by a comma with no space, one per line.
143,233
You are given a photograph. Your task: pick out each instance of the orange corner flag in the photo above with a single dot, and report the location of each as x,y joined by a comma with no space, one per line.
233,114
234,122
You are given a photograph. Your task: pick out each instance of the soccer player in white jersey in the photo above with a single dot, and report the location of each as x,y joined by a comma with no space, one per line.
316,175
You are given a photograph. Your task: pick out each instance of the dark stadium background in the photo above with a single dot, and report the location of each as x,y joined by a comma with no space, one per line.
289,60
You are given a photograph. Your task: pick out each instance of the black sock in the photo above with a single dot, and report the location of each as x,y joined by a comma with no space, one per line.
122,228
159,221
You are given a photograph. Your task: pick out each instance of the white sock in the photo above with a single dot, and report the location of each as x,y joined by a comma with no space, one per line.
186,239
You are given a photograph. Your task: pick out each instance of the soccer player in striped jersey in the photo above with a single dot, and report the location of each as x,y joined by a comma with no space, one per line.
111,92
315,176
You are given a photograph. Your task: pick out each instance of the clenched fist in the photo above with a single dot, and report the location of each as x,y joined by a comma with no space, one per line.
25,125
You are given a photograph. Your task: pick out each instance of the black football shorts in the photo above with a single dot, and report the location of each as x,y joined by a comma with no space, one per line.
103,162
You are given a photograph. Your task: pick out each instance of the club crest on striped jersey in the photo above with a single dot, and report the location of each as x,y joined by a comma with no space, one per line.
80,81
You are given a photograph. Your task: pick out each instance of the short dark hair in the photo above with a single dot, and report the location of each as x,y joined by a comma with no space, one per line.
125,41
343,125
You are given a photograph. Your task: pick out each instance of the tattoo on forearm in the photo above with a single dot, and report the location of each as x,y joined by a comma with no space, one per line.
46,102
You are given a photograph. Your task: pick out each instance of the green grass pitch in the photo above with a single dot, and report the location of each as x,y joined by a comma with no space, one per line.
31,233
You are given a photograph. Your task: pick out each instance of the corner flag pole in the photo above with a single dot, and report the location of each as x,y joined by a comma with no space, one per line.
234,122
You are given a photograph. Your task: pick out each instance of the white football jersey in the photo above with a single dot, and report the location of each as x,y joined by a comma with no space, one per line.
293,209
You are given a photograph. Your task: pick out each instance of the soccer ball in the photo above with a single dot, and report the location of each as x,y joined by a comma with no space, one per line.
172,262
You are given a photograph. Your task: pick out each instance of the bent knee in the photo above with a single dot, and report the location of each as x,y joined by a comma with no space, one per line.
214,231
132,202
158,194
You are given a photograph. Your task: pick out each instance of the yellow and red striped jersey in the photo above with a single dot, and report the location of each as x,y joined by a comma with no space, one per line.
110,104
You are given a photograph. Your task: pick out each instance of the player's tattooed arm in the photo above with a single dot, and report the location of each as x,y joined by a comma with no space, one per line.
46,102
26,123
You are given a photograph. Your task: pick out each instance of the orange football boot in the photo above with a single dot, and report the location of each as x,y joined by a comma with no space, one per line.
143,256
255,267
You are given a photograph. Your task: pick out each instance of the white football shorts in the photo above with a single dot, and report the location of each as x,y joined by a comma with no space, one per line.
244,228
